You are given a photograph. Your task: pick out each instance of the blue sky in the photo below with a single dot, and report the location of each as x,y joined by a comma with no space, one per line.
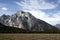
47,10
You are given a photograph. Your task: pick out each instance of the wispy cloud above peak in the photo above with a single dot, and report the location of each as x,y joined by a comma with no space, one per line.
36,4
35,7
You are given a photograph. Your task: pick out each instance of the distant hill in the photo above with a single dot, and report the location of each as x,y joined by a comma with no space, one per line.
58,26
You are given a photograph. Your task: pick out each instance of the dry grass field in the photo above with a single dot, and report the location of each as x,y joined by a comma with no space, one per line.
29,36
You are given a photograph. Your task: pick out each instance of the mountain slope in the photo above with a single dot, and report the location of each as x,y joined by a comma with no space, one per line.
27,21
8,29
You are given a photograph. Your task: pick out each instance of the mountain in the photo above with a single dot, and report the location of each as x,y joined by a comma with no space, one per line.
8,29
58,26
27,21
3,18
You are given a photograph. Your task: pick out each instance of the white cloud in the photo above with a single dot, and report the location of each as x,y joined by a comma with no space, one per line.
53,20
4,8
35,6
43,16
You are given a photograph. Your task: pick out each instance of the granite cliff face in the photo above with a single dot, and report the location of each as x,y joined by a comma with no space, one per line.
26,21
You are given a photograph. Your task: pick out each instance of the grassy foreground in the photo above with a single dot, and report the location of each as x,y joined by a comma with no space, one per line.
29,36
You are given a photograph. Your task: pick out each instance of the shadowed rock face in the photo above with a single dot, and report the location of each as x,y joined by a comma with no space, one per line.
8,29
27,21
3,18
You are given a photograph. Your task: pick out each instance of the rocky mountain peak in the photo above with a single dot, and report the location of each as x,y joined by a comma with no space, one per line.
3,18
27,21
